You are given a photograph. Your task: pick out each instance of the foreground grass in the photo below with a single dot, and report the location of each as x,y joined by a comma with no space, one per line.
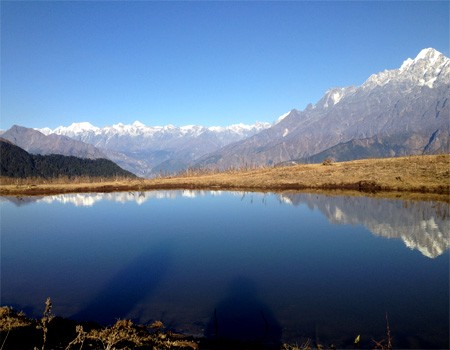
50,332
386,176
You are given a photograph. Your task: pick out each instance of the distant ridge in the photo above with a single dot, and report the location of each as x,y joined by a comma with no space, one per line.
151,150
35,142
15,162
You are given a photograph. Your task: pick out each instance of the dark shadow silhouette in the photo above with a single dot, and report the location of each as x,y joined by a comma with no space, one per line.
130,286
242,320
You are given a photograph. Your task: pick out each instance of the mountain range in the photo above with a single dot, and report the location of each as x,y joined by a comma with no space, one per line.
144,150
395,112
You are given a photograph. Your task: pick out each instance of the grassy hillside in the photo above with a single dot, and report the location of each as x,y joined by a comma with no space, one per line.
414,173
387,177
17,163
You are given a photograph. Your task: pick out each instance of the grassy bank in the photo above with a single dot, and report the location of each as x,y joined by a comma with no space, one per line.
17,332
415,175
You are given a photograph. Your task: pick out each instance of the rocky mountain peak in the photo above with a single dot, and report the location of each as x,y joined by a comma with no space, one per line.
334,96
75,128
425,69
431,55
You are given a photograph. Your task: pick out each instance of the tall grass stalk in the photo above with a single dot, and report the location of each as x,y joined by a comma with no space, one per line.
47,317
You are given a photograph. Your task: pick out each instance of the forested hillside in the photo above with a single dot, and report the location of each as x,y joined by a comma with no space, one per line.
16,162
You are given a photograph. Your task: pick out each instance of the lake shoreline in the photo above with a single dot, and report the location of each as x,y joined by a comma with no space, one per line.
18,331
412,177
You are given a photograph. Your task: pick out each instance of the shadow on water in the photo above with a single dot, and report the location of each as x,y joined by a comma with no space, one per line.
242,320
130,286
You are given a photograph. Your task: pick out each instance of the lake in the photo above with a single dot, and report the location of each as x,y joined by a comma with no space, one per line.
299,265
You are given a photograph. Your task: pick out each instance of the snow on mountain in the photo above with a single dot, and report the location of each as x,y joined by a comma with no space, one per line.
71,130
193,130
333,96
431,55
139,129
240,129
46,131
281,117
138,124
422,71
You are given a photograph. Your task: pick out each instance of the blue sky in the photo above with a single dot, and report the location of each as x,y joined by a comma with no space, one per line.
207,63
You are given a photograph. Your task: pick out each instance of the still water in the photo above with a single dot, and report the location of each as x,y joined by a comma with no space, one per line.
312,266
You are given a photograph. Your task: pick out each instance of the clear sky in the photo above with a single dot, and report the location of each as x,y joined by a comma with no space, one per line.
206,63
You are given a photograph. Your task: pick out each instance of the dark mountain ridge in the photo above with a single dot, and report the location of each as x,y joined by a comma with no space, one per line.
15,162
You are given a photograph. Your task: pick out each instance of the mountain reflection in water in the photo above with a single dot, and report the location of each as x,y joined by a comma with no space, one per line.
421,225
424,226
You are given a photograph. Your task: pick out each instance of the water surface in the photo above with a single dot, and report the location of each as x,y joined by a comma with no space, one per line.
286,267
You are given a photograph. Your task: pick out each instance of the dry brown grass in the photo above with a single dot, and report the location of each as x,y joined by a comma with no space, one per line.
10,320
413,174
123,334
420,177
46,318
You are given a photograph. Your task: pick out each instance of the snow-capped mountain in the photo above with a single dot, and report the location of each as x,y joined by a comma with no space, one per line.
89,133
156,148
395,112
424,70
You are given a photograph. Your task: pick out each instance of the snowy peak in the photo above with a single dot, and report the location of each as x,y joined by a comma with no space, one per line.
426,69
429,54
140,129
194,130
45,131
281,117
429,57
429,66
73,129
138,124
240,129
333,96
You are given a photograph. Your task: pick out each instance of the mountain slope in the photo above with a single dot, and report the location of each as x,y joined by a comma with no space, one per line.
18,163
406,110
36,142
